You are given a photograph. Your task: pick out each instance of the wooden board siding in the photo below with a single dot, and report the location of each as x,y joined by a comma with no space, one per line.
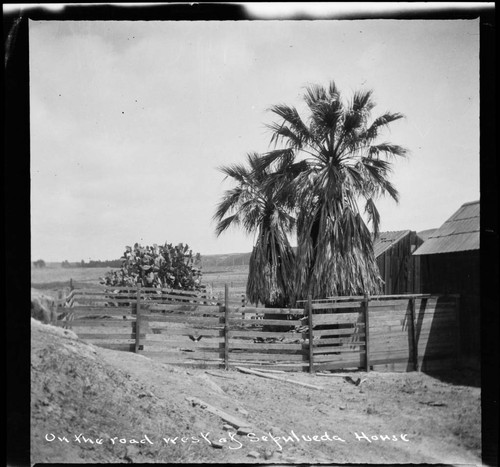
397,265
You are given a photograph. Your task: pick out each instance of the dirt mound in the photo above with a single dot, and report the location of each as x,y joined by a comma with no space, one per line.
84,409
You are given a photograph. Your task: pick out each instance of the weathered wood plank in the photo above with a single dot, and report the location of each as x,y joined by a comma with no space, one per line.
201,365
345,318
123,347
381,312
101,342
186,343
299,366
258,347
182,298
191,331
79,301
343,349
341,340
187,350
342,365
267,370
336,305
381,304
277,378
97,323
247,356
391,350
184,319
354,331
184,308
347,358
98,311
262,311
228,418
89,336
249,334
174,358
262,322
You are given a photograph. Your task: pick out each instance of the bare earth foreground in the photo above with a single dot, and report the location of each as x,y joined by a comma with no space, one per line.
99,406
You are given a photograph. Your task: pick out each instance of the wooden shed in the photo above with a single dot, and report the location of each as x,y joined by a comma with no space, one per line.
393,252
448,263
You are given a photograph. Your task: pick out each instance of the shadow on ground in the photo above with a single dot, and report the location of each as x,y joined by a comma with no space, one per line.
458,376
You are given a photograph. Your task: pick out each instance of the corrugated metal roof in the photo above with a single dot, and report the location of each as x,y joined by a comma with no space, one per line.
459,233
425,234
386,239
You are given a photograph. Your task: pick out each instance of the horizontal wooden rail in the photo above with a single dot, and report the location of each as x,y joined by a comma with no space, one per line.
263,334
109,336
181,308
267,322
335,305
337,318
258,346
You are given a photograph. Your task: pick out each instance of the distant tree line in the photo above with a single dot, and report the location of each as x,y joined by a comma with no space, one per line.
113,263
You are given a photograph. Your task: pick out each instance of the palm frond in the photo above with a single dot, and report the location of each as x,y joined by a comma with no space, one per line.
290,116
313,94
373,215
282,133
387,149
225,223
229,202
381,122
266,161
362,101
237,171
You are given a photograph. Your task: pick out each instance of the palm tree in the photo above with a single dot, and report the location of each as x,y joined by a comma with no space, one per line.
265,211
342,166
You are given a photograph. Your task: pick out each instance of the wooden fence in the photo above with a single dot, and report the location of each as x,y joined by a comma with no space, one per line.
405,332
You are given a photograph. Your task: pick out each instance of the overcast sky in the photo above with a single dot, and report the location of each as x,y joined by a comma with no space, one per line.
130,120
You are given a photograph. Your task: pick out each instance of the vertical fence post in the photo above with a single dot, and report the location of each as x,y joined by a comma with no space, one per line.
311,334
366,299
138,321
226,327
71,284
414,342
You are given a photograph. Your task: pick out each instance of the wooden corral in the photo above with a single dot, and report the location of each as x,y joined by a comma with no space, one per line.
189,329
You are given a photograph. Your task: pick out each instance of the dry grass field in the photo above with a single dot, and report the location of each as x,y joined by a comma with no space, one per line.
54,277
